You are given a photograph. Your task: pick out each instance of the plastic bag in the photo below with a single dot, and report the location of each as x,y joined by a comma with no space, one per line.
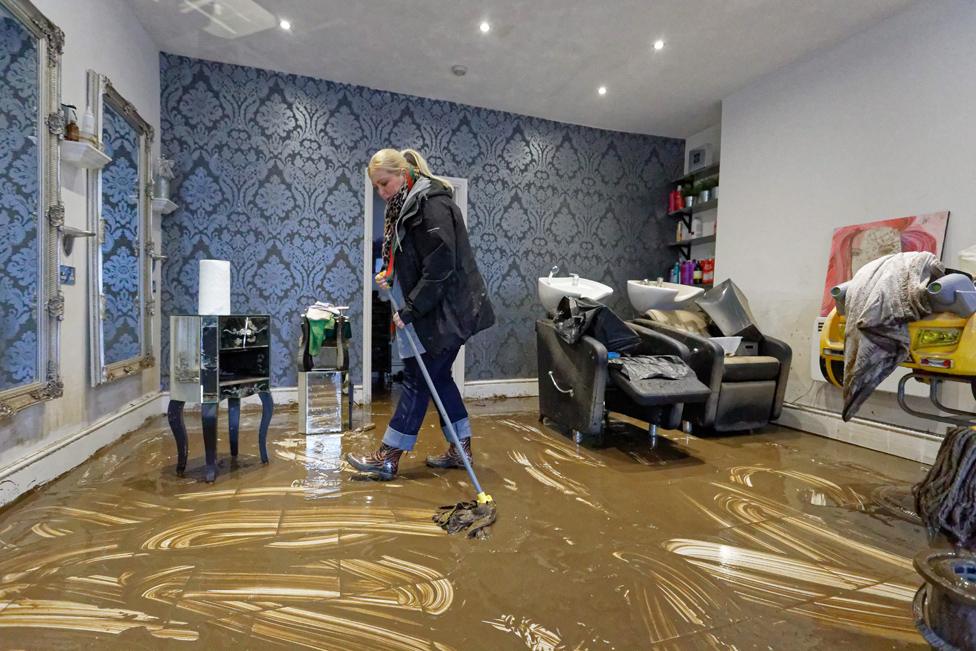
967,260
728,308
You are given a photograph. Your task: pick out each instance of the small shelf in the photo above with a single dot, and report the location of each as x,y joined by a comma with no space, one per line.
163,206
245,380
83,155
703,173
711,204
694,240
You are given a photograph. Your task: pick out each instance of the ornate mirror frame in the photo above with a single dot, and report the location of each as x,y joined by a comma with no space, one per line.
102,93
50,217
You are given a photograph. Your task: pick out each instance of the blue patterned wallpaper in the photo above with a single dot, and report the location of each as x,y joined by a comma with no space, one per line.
269,171
19,204
120,250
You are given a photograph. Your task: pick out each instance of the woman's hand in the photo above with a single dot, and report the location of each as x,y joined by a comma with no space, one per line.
381,280
396,319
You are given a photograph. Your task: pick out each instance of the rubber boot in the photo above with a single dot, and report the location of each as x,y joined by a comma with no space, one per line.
451,458
383,462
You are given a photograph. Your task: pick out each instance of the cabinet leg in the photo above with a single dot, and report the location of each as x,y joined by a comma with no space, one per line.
233,422
175,415
267,409
208,414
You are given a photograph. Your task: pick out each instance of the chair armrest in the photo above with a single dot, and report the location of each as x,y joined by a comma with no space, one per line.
656,343
781,351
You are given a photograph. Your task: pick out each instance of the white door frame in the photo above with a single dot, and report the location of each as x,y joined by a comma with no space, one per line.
461,199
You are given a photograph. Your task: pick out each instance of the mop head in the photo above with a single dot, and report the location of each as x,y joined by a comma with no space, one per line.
475,516
946,498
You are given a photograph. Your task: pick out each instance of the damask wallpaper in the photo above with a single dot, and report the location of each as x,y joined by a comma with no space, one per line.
19,204
120,250
270,170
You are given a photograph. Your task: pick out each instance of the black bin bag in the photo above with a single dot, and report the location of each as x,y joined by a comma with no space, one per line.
728,308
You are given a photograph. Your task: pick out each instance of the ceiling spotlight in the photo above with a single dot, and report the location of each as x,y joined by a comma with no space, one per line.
459,70
658,44
602,90
285,25
485,27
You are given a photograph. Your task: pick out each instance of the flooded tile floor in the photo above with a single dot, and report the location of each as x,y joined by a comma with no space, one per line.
778,540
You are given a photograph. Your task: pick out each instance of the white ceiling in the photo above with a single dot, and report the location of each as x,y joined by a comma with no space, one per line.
543,58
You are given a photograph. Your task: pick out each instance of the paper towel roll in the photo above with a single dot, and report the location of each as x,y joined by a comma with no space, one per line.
214,292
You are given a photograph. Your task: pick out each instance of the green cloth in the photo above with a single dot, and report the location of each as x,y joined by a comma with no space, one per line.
323,331
316,335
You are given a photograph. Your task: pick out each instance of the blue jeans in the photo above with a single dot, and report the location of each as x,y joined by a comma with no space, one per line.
412,407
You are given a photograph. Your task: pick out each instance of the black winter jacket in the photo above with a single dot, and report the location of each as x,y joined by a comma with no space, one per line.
444,293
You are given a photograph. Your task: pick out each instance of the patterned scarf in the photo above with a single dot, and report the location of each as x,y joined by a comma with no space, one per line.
393,208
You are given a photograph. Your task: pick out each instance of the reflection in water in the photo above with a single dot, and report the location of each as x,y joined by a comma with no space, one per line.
295,555
73,616
535,637
825,491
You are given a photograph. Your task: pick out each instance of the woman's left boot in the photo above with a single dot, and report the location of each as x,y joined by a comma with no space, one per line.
383,462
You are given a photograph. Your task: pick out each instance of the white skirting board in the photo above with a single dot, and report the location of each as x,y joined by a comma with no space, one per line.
515,388
58,457
898,441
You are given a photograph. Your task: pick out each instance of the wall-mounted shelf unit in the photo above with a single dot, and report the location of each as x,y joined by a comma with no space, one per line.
697,175
684,246
83,155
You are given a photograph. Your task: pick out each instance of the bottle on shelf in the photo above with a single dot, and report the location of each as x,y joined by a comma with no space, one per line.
708,271
676,273
697,273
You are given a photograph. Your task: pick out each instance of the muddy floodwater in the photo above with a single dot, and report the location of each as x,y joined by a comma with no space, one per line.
774,540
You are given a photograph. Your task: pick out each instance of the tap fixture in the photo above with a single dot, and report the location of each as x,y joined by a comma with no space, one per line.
575,279
554,269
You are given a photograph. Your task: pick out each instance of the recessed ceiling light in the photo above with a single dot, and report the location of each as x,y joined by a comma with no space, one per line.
285,24
659,44
484,27
459,70
602,90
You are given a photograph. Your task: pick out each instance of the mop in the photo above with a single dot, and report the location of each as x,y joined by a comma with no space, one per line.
946,498
477,515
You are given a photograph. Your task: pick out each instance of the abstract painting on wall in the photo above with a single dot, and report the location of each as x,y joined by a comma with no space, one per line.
854,246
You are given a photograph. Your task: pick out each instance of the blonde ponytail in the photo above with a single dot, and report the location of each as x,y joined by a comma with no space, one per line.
415,160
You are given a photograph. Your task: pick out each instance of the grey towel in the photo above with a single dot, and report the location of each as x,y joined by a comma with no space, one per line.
882,298
644,367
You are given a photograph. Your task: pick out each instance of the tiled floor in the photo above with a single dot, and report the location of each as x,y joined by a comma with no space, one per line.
779,540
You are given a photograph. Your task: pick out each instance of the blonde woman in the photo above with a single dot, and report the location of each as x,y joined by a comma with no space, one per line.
429,267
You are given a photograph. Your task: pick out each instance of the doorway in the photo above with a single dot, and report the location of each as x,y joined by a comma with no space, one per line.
379,351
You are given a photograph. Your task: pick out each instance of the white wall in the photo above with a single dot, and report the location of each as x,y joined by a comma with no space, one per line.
879,126
102,35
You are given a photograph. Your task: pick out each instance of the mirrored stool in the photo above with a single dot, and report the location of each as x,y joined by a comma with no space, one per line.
213,358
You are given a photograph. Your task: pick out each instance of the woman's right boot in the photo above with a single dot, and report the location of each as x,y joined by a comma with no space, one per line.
452,458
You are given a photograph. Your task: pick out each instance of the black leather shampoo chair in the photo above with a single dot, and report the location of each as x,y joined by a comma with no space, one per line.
577,389
747,390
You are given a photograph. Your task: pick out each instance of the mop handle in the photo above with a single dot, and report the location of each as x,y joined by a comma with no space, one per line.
437,401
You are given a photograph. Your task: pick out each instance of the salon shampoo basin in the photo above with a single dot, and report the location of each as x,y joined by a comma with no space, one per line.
552,289
647,295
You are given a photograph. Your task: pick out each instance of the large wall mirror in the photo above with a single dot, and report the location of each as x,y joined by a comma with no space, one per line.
31,213
120,212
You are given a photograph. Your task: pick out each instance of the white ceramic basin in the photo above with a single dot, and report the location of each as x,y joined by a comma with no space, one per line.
551,290
647,295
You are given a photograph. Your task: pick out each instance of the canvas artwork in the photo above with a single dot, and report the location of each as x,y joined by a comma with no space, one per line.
854,246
